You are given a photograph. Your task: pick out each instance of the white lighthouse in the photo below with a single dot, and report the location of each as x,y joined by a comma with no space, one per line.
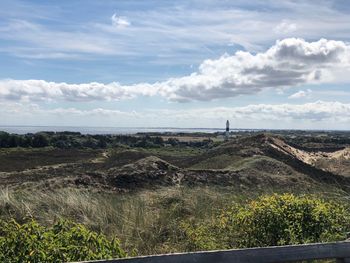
227,133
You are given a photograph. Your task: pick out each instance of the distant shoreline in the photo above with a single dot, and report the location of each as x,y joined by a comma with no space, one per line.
23,129
110,130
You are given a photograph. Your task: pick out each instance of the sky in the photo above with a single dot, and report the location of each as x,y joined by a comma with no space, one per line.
159,63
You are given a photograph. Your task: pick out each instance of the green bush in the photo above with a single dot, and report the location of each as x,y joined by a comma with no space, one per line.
64,241
285,219
271,220
204,236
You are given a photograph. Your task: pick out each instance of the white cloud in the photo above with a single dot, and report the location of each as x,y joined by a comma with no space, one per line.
119,22
290,62
285,27
301,94
315,111
178,30
318,114
41,90
174,33
37,41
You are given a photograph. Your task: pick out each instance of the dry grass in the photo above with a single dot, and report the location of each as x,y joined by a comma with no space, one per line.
147,222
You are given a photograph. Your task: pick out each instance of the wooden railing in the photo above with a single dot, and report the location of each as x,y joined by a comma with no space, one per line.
338,250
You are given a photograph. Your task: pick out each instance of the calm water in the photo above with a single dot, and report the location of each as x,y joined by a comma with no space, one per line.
102,130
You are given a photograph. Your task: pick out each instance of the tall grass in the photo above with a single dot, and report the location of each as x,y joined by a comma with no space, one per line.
146,222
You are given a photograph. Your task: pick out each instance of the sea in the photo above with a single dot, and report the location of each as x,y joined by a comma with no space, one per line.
133,130
105,130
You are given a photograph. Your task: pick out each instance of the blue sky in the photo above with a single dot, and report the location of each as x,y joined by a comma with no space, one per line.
260,64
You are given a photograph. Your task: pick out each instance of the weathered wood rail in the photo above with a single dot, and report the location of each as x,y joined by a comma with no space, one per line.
337,250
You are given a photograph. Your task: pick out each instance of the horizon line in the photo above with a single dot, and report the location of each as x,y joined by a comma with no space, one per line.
175,128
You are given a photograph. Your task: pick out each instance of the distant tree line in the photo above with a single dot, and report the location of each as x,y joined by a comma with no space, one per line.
68,140
320,141
329,139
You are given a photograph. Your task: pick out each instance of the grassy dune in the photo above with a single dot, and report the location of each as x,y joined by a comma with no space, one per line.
146,222
128,192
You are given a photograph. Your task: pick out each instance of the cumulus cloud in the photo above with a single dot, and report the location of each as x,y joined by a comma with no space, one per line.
40,90
119,22
290,62
301,94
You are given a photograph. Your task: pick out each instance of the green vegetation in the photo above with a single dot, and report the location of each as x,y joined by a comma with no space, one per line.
221,161
165,194
286,219
175,151
272,220
147,222
236,162
74,140
17,159
63,242
185,219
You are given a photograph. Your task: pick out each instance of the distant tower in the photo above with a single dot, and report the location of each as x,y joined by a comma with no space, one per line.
227,133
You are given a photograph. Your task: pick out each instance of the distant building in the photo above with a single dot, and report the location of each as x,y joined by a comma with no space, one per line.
227,133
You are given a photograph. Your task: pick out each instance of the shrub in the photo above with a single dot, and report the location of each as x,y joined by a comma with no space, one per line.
203,236
64,241
40,140
285,219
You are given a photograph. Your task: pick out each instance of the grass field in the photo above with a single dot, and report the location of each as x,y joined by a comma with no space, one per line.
17,159
147,222
131,192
